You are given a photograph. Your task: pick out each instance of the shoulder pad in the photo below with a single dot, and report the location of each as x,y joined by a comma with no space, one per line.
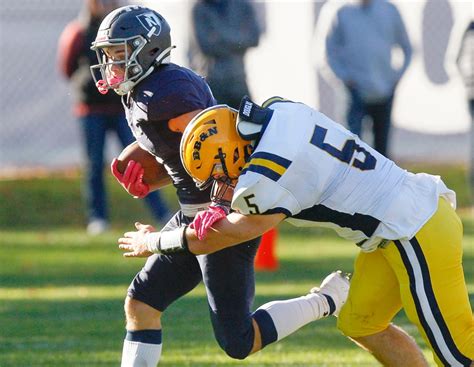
252,119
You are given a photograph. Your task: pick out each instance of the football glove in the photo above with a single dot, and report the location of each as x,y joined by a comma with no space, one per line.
205,219
132,179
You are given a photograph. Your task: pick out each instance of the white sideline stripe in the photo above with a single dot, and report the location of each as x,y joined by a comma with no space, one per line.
425,306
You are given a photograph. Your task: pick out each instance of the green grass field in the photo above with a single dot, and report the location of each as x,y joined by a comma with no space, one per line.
61,292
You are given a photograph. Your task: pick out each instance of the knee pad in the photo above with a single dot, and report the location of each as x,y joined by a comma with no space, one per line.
235,346
234,337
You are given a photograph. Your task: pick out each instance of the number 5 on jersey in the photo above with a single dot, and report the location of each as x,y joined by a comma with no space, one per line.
346,153
252,206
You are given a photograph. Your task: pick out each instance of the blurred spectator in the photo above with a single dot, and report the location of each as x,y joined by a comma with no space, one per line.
436,30
465,61
96,113
224,30
359,51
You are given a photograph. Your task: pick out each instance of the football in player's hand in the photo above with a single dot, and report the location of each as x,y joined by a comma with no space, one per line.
155,174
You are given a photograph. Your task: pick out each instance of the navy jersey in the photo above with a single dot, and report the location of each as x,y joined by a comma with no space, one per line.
168,92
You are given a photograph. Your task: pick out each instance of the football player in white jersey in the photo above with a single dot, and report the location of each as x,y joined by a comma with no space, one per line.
287,161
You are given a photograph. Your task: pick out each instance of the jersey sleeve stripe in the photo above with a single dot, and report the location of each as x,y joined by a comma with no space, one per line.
265,171
268,164
272,157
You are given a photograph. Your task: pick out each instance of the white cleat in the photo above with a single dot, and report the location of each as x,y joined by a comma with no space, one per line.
336,288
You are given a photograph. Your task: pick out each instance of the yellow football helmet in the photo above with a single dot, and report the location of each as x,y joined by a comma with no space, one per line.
211,147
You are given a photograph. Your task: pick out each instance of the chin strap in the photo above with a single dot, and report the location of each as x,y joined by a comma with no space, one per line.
163,57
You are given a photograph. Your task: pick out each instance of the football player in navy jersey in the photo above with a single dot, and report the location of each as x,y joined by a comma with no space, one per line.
310,171
133,46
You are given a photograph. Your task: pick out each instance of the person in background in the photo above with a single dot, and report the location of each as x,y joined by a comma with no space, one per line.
97,113
465,61
359,51
224,30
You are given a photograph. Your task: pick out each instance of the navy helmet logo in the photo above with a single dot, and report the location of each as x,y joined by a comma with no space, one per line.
151,23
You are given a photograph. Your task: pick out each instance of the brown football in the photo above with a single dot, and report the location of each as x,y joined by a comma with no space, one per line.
155,173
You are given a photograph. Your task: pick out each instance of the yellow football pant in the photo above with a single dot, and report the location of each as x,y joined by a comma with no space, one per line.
424,276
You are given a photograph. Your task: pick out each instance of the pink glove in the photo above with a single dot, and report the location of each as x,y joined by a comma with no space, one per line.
205,219
132,179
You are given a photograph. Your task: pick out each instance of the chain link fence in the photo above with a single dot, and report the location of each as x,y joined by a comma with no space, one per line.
37,128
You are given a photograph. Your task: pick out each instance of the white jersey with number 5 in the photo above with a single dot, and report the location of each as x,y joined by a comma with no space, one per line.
319,174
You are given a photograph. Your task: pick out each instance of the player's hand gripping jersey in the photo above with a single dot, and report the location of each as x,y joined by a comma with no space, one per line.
320,174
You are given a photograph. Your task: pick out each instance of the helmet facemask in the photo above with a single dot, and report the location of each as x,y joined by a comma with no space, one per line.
222,185
219,169
133,72
222,190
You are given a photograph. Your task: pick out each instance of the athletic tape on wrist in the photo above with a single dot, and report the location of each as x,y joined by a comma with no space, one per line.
152,241
173,241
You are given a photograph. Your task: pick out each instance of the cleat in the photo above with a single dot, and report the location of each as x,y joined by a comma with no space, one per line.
336,288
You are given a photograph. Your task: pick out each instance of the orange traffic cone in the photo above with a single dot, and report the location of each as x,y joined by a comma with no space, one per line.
266,259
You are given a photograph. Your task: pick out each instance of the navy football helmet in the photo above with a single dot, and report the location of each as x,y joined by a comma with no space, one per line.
145,37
